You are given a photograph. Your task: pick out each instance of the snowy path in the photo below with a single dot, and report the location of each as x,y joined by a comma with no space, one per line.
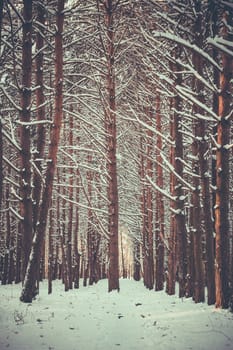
92,319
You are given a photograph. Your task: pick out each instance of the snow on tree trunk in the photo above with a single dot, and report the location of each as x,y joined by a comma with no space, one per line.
25,135
172,240
76,271
198,131
159,271
181,230
40,99
110,125
1,141
149,248
222,172
70,214
29,285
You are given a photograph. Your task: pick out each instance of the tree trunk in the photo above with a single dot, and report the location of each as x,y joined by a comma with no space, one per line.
159,278
76,273
25,135
40,99
172,241
181,230
222,174
137,265
199,137
1,116
208,199
196,230
70,215
5,274
28,291
50,252
147,205
1,164
143,215
110,124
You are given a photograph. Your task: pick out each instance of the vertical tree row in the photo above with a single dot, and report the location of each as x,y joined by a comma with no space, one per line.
193,225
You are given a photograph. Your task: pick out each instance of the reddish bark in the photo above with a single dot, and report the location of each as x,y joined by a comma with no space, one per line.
25,135
143,213
159,219
172,240
40,99
137,265
181,230
70,214
199,133
1,141
28,291
76,272
90,269
196,230
147,208
1,164
110,125
50,252
5,274
222,175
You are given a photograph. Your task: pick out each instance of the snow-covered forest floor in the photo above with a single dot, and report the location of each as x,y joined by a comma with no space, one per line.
91,318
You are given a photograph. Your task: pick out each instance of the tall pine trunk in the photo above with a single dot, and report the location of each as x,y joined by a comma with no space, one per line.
29,285
25,136
76,271
172,240
70,214
159,271
222,173
181,230
110,125
1,116
198,131
40,99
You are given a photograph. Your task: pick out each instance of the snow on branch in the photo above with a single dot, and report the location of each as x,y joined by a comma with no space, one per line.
169,165
11,164
82,205
15,213
182,42
159,189
101,131
167,139
33,109
10,99
6,178
13,192
191,70
227,3
12,140
221,44
217,145
34,122
37,171
187,96
94,210
228,146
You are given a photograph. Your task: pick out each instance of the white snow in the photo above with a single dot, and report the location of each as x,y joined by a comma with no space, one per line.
92,319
